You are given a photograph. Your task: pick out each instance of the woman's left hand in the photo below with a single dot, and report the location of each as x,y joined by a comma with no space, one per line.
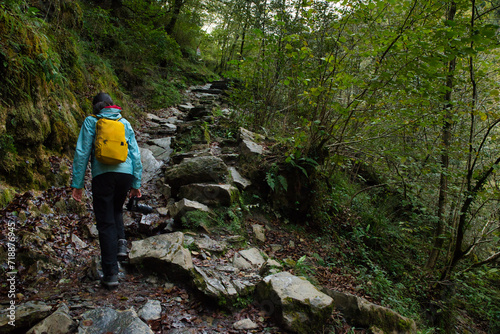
134,192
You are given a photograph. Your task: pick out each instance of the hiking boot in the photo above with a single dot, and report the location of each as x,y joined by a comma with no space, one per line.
122,249
110,281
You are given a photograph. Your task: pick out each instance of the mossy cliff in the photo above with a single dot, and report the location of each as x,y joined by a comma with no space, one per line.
54,57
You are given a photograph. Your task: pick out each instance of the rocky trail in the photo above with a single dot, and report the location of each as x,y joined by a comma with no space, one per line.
202,262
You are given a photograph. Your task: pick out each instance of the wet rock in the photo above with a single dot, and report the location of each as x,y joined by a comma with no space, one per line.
360,312
150,311
196,170
164,253
294,302
58,322
210,194
16,317
107,320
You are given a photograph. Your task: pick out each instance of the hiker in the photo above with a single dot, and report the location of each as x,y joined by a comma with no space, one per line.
111,183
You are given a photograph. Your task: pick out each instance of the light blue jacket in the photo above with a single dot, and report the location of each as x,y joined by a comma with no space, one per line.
85,151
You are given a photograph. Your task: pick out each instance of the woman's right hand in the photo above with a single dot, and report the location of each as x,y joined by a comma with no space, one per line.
77,194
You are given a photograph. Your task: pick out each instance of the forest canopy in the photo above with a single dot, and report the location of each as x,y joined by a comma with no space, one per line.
389,109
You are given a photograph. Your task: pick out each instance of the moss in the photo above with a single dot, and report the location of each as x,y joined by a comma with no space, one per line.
6,195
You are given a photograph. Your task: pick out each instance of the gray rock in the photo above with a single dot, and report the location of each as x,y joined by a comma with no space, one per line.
208,244
213,284
253,256
224,285
178,209
197,170
107,320
270,267
154,118
245,134
294,302
150,311
150,220
209,194
150,166
164,252
240,262
79,243
245,324
164,143
160,153
186,107
249,147
260,232
58,322
360,312
239,180
22,316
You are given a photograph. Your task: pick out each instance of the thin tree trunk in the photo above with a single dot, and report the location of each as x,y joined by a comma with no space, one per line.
446,139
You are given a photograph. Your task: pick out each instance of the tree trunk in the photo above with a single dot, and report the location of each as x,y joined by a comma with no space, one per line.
175,15
446,138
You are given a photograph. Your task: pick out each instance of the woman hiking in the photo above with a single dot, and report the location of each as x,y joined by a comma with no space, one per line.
111,183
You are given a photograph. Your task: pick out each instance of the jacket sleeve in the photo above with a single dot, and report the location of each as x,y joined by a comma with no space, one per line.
82,152
135,156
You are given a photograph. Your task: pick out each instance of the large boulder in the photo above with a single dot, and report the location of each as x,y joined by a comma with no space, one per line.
209,193
360,312
294,302
164,253
107,320
16,317
197,170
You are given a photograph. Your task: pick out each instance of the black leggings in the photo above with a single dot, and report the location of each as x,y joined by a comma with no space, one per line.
109,192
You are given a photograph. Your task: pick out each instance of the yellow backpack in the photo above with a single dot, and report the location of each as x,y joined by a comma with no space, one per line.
111,147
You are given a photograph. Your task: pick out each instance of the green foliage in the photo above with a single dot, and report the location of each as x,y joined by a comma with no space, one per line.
477,293
243,302
274,180
196,218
